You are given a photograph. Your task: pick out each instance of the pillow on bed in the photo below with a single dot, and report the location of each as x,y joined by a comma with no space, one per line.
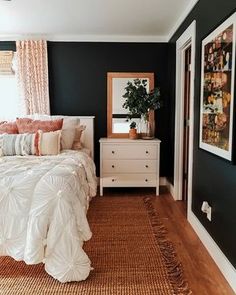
77,145
68,127
68,132
18,144
27,125
49,143
8,127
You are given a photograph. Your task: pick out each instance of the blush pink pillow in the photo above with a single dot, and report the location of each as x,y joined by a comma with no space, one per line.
8,127
26,125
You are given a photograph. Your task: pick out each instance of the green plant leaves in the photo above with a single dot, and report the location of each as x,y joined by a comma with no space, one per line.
138,101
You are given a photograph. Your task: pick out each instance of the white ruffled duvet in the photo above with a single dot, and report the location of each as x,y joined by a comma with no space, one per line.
43,206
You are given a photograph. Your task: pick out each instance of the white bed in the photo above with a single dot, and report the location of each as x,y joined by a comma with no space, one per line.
43,206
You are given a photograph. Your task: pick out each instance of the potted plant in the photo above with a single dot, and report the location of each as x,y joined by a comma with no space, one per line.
139,102
133,131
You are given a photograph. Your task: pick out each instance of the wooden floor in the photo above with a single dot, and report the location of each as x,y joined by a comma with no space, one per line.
202,273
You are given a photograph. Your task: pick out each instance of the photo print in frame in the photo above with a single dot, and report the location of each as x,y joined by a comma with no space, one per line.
217,89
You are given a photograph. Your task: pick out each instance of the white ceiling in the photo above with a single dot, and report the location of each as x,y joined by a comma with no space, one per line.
93,20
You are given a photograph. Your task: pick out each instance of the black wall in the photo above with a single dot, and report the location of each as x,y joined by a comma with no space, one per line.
77,82
214,179
77,73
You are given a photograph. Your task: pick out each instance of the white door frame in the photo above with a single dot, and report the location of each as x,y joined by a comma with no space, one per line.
185,40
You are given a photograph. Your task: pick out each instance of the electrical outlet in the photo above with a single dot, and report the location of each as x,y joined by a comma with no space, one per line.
209,213
206,208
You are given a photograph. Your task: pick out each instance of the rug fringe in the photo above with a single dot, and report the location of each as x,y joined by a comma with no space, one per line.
173,266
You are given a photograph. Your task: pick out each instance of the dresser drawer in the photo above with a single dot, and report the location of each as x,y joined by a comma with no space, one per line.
129,166
129,151
129,180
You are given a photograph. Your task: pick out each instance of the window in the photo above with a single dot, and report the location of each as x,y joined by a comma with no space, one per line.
9,96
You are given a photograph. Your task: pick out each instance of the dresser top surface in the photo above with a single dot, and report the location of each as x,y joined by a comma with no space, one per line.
127,140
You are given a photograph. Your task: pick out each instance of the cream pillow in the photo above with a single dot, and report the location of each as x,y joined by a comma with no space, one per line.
49,143
68,132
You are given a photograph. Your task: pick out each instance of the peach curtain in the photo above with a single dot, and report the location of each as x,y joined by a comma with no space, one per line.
32,73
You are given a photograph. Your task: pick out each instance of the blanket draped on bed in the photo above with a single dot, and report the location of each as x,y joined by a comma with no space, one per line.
43,206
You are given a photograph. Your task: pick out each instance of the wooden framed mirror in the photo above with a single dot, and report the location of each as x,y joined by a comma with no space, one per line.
117,123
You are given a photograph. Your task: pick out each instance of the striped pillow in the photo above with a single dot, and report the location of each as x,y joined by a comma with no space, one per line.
18,144
49,143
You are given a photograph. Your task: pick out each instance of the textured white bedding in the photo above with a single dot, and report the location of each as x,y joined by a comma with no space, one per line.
43,206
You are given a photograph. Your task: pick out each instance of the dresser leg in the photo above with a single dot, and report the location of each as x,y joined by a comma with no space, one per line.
157,190
101,190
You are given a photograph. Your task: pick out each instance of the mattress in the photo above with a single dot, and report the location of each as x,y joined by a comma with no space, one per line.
43,206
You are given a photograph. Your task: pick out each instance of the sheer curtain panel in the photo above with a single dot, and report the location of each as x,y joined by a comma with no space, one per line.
32,75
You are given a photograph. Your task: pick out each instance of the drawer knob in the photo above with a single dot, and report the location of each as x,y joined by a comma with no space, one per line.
146,180
113,179
147,152
113,166
146,166
113,152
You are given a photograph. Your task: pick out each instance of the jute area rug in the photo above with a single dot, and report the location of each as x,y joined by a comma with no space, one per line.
129,250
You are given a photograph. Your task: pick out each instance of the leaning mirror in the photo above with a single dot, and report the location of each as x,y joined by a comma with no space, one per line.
117,123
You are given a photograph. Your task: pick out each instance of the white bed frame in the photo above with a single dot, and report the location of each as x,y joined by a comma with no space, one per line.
87,138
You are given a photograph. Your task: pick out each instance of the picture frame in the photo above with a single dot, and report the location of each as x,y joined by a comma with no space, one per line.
116,115
217,90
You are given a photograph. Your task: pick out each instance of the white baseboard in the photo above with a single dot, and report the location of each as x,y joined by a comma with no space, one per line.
218,256
164,181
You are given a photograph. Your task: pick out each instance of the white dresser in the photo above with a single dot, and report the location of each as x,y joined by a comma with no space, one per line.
129,163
